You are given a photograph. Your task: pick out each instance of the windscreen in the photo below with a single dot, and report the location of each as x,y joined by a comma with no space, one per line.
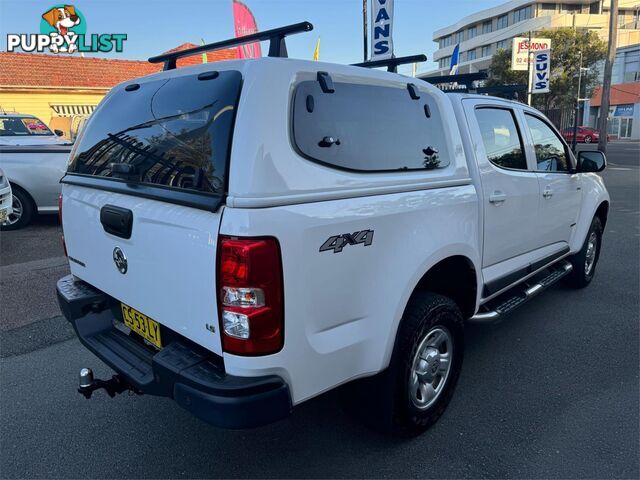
172,133
23,126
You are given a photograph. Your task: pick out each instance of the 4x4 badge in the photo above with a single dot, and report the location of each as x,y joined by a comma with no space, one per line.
120,260
338,242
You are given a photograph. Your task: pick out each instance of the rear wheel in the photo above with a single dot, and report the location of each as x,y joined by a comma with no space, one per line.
588,139
584,262
23,210
427,360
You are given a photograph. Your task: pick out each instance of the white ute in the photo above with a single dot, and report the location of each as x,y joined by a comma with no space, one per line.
246,235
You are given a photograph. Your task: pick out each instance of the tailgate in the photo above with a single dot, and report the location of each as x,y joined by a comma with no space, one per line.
145,185
170,256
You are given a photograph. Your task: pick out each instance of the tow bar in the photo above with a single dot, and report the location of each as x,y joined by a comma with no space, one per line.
113,386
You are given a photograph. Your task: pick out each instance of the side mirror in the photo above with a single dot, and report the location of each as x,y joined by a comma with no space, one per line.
59,133
591,161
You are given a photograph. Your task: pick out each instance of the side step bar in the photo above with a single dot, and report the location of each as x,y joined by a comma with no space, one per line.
521,293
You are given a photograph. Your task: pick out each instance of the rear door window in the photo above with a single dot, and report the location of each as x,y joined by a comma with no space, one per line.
368,128
172,133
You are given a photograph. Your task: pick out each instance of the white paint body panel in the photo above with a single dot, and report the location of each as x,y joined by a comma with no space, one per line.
341,310
171,259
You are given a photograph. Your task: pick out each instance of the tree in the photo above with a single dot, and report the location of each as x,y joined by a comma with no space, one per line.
566,45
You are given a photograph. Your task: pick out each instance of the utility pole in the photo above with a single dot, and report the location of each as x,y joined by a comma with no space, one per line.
364,29
575,116
606,84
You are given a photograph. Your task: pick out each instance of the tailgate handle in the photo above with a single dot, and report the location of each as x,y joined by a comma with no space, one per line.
117,221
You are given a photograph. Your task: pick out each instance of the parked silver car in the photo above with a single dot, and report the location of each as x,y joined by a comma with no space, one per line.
34,159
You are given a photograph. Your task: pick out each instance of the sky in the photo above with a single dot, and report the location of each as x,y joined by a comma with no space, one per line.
154,26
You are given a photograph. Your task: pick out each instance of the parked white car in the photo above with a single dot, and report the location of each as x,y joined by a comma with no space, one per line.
6,199
246,235
34,160
21,129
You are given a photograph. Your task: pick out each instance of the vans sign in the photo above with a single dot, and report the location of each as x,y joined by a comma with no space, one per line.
382,30
541,72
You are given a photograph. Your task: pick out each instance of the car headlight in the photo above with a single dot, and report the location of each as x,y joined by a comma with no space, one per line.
3,181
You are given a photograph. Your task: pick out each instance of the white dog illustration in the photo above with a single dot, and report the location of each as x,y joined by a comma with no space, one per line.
62,19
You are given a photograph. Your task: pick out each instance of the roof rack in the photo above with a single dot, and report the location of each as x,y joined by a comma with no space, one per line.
392,63
276,36
465,79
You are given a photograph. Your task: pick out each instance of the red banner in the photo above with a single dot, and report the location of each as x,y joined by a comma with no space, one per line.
245,24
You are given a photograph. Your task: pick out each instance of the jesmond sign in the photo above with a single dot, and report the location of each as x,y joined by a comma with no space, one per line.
521,49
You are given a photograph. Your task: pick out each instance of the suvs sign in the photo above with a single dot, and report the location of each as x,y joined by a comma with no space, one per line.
541,72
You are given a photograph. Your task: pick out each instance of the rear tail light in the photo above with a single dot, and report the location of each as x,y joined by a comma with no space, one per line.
64,245
250,297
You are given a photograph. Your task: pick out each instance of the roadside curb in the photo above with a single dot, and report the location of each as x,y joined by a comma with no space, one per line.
34,336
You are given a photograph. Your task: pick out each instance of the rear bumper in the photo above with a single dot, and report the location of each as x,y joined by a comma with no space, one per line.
190,375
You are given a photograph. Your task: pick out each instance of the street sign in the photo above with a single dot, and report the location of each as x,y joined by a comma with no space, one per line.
541,72
382,30
522,47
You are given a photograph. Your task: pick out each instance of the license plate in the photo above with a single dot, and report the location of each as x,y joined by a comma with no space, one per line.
141,324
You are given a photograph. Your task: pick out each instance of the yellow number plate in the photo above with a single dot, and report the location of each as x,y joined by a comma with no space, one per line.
142,325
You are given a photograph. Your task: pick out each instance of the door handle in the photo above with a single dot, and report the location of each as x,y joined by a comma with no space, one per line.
497,197
547,193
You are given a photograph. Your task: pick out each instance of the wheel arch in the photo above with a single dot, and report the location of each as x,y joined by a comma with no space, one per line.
452,274
602,212
454,277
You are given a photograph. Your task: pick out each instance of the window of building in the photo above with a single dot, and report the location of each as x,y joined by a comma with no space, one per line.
503,21
569,8
594,8
472,32
458,37
522,14
502,44
395,135
471,55
551,152
486,51
445,41
444,62
487,27
631,68
501,138
548,7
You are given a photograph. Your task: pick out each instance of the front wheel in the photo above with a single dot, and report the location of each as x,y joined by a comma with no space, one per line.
584,262
587,139
427,358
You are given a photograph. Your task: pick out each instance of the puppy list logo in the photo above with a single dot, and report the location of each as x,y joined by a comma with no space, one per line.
63,30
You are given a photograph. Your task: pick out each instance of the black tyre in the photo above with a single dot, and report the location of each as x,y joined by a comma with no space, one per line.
427,360
23,210
588,139
584,262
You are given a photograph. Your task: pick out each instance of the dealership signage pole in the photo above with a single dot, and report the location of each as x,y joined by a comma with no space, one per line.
523,52
365,29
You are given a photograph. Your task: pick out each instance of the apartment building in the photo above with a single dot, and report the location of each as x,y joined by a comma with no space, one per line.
482,33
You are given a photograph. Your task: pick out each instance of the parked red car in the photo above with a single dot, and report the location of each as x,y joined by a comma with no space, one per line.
584,135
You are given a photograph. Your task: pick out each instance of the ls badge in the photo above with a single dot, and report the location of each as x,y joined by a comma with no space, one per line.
338,242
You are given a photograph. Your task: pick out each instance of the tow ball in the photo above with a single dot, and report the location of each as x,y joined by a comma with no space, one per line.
116,384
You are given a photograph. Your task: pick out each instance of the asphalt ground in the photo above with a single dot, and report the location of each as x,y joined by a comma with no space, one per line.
553,391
